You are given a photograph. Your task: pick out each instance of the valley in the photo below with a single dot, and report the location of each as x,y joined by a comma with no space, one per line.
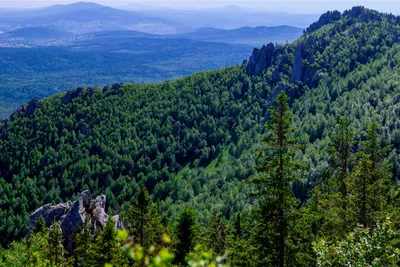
287,158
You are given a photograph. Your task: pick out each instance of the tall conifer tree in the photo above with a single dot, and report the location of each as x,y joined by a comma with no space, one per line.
276,172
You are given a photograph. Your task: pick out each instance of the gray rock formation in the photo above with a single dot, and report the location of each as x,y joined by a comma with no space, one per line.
260,60
118,222
113,88
71,95
297,70
27,109
72,216
49,213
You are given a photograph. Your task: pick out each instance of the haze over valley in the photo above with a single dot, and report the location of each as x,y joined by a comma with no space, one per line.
48,50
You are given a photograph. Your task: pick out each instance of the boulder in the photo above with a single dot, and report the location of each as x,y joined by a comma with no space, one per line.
71,223
49,213
99,216
72,216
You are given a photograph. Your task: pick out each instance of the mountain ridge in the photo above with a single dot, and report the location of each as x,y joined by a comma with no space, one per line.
210,122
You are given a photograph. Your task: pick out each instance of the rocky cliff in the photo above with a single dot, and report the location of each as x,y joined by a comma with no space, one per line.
260,60
72,216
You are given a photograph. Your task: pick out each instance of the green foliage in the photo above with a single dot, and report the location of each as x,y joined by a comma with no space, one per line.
216,234
33,252
191,142
132,135
370,182
84,245
106,248
277,171
143,220
186,234
40,226
56,248
44,71
361,248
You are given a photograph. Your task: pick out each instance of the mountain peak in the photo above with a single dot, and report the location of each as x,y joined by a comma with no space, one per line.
74,6
83,4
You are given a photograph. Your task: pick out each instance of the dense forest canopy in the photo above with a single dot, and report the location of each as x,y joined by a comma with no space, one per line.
193,143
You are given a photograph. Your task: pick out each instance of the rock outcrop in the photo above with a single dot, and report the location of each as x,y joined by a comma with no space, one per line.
297,70
27,109
72,216
70,95
260,60
113,88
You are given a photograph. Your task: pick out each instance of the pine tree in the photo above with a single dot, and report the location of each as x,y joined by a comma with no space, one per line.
341,153
56,248
369,182
238,226
143,220
106,246
276,172
40,226
186,231
217,234
84,245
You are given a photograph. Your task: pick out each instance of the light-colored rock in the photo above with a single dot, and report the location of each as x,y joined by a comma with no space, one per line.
72,216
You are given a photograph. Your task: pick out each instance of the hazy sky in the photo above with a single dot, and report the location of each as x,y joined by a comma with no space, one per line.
294,6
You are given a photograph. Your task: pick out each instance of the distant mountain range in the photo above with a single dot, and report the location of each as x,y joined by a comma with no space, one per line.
255,36
252,36
85,44
85,17
228,17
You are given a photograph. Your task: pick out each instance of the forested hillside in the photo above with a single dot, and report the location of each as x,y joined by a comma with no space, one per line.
323,178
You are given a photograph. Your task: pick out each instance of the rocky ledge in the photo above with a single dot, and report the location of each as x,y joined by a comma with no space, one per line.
72,216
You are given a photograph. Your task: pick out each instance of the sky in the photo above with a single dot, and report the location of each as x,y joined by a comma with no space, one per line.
294,6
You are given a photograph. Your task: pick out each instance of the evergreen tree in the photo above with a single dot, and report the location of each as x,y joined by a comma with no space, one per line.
238,226
143,219
56,248
186,231
276,172
217,234
106,246
40,226
369,182
84,245
341,153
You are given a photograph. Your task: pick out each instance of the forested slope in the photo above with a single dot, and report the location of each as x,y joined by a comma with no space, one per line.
192,141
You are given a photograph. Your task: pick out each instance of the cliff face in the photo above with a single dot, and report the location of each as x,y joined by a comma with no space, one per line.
260,60
297,69
72,216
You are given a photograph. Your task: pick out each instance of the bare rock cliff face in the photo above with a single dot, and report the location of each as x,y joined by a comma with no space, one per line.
297,70
72,216
260,60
